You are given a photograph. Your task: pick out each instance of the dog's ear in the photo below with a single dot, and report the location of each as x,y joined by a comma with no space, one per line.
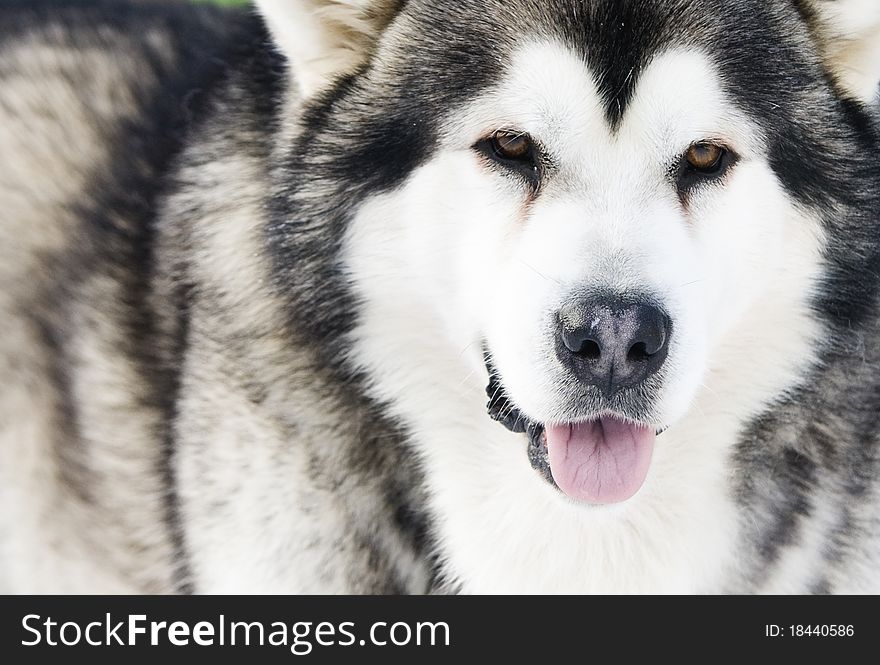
849,32
324,39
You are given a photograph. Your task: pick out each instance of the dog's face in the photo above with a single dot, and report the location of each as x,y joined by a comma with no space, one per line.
604,256
613,204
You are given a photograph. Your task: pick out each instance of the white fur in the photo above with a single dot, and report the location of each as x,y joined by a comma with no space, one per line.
852,41
453,257
323,38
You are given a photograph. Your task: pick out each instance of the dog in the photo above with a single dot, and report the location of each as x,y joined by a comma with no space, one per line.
388,296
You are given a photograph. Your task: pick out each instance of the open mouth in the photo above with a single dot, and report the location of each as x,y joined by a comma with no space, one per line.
601,461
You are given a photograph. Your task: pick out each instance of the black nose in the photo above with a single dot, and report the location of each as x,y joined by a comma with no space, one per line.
613,344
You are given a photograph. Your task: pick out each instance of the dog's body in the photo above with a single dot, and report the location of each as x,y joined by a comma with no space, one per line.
247,304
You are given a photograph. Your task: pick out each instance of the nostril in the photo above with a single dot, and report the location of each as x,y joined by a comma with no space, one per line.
638,353
590,350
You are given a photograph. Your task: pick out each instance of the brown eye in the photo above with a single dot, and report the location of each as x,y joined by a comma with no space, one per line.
516,152
705,157
512,145
705,162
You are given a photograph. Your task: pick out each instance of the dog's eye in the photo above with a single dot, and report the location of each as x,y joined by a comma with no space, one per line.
512,145
705,157
515,151
704,162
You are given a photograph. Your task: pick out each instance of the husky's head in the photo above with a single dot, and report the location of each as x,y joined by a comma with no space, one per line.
617,206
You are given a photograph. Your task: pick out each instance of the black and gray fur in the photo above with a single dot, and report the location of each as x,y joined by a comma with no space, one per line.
171,219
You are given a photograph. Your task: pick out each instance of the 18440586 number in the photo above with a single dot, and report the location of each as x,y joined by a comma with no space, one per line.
821,631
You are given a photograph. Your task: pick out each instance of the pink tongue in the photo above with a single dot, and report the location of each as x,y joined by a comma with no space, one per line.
605,461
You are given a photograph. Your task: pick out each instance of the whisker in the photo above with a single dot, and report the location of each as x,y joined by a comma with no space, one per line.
539,273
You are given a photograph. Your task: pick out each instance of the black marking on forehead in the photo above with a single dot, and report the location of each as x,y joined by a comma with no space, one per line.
617,39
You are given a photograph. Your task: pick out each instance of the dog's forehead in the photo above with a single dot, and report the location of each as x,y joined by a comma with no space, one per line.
615,38
549,88
452,51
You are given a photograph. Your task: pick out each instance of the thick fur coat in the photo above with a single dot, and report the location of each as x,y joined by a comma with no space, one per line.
257,266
